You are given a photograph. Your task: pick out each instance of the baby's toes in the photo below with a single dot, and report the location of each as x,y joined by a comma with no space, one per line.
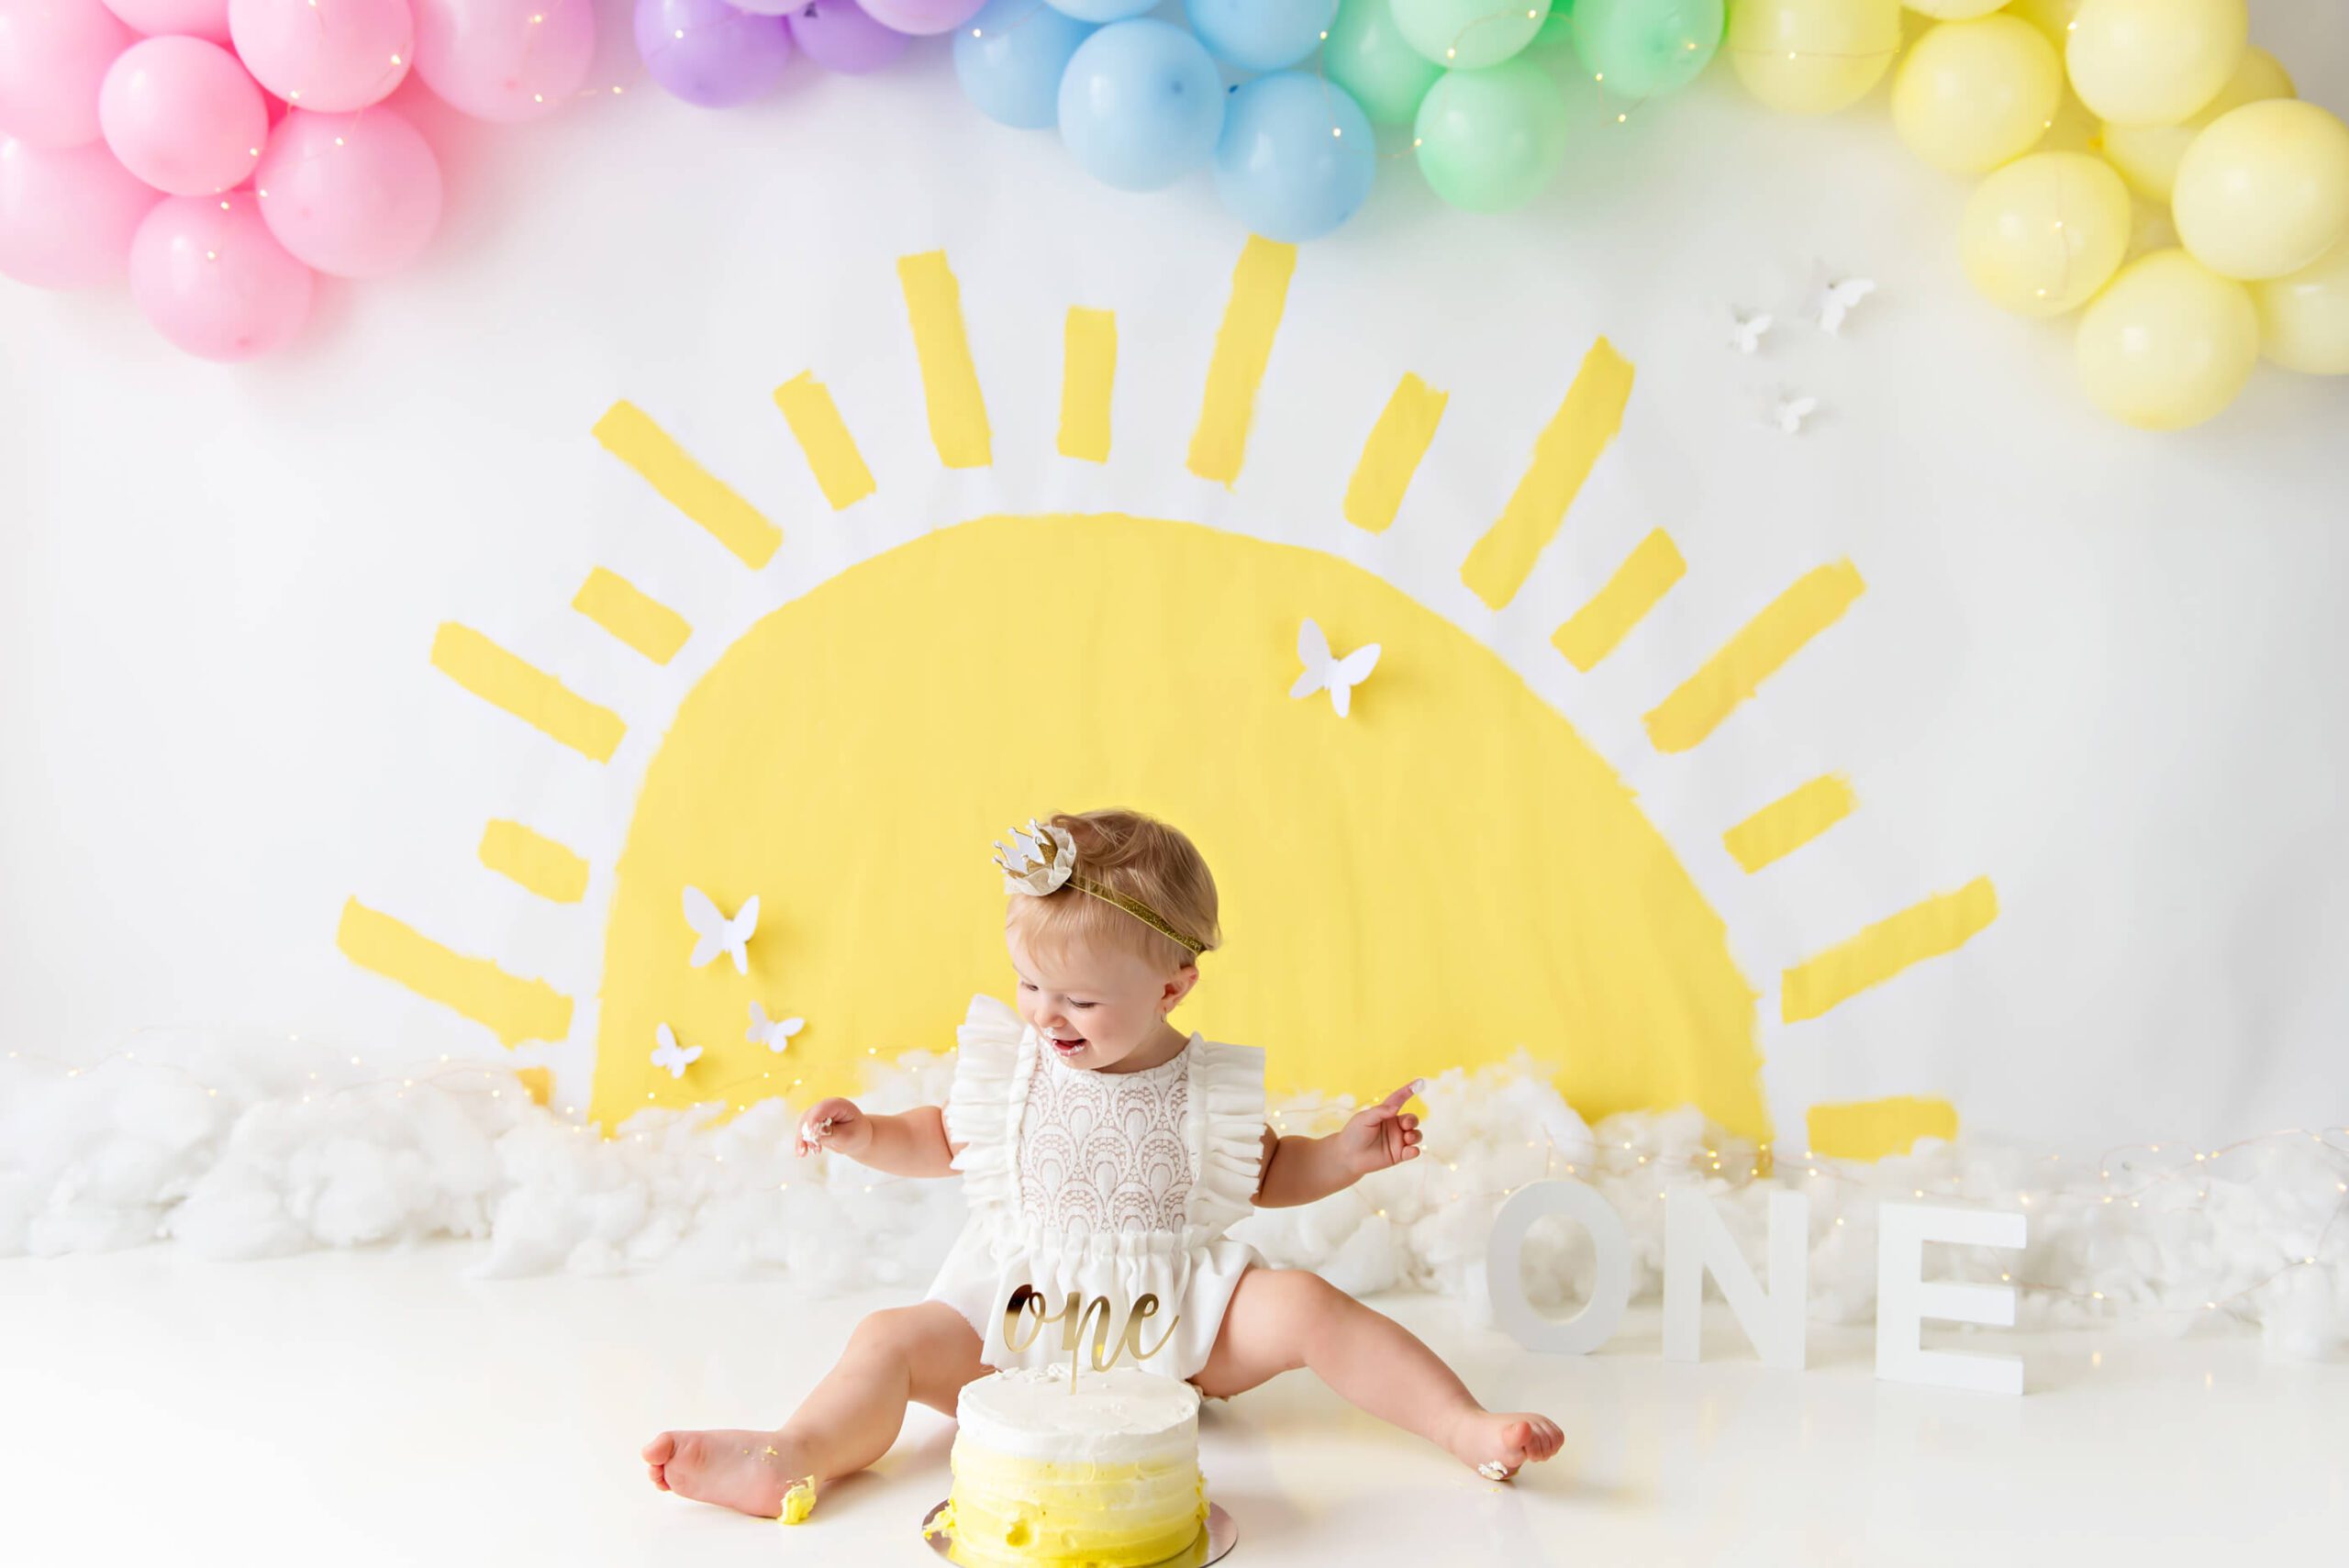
658,1479
661,1449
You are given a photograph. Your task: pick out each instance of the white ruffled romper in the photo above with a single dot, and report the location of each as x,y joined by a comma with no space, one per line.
1104,1184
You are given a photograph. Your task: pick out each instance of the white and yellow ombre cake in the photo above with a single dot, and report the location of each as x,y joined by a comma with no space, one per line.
1104,1476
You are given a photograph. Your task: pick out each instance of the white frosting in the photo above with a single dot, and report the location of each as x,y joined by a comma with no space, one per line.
1119,1416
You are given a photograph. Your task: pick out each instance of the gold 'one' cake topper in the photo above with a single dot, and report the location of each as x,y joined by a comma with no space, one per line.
1025,1320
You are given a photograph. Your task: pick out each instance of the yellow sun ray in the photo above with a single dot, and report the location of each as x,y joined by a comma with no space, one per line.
1786,824
512,1008
1391,456
1648,574
1759,649
1568,448
551,870
631,614
1088,370
1939,925
1870,1129
816,424
527,692
629,435
1243,346
958,414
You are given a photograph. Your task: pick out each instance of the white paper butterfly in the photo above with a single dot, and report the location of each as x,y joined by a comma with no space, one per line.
669,1055
1836,298
1745,332
1790,410
1339,676
773,1033
717,934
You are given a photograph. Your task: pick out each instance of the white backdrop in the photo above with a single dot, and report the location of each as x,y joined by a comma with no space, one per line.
2103,668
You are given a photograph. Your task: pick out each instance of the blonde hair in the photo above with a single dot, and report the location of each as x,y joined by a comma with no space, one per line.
1135,855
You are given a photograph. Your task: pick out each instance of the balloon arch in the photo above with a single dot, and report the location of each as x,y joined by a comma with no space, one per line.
220,153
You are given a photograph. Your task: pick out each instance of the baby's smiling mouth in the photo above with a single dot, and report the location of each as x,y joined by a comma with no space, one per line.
1067,1045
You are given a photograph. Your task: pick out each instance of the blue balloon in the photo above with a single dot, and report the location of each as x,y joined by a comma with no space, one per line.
1102,10
1260,35
1141,105
1279,168
1011,57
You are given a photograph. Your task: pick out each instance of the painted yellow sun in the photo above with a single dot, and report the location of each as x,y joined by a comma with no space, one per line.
1445,875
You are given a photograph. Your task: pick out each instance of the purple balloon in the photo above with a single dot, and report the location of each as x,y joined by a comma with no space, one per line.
707,52
840,35
923,17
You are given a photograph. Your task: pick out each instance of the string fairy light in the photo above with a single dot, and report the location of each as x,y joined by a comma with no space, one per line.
491,1080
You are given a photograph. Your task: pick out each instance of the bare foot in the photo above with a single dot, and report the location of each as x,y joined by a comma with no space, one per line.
1494,1446
747,1471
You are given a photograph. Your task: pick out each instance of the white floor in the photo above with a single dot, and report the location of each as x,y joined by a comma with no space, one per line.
380,1408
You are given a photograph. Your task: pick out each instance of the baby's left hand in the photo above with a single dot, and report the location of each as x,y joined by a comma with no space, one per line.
1382,1135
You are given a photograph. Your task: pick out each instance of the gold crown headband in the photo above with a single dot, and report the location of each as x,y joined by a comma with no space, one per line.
1041,859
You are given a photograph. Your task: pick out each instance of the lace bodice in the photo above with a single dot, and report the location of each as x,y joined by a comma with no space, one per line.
1106,1150
1060,1157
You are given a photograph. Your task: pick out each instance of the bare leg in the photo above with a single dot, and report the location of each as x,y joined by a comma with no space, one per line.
1281,1319
902,1353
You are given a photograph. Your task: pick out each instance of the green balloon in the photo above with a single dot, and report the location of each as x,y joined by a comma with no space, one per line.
1469,34
1639,49
1558,27
1365,54
1490,139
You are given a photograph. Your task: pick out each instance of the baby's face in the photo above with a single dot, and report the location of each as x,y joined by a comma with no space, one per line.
1096,1005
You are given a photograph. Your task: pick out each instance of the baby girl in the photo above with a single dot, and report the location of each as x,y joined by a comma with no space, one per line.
1104,1153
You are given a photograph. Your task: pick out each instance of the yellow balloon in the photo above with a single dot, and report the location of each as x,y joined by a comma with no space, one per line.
2154,61
2265,190
2074,130
1812,57
2304,318
2147,155
2042,234
1954,10
1971,95
2052,18
2168,343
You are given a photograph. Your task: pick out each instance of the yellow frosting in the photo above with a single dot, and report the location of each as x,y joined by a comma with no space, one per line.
1006,1510
800,1501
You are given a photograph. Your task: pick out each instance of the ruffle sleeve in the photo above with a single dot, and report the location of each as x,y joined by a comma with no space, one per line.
983,1105
1225,1113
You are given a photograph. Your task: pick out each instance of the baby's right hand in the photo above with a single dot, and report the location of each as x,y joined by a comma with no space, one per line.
836,1125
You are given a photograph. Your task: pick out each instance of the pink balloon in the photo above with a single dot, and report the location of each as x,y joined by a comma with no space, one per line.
206,272
186,19
53,53
182,116
357,195
504,60
922,16
67,215
327,55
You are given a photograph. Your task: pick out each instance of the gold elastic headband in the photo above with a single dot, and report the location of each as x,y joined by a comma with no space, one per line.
1041,859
